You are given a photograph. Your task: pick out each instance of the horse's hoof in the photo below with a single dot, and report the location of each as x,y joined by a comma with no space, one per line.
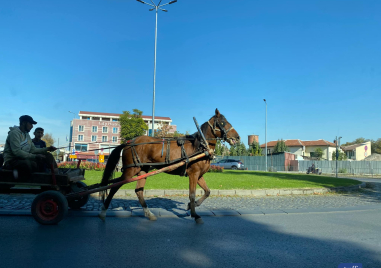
199,221
102,216
152,218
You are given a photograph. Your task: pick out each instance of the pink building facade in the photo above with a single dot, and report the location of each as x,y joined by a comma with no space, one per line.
97,133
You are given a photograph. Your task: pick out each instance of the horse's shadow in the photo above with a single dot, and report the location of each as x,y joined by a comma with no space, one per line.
156,203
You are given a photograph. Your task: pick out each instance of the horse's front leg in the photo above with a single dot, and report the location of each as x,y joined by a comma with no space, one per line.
192,198
202,183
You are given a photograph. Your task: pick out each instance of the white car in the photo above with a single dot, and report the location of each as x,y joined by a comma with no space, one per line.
230,164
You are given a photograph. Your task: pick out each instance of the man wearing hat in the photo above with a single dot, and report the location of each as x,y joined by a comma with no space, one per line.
20,153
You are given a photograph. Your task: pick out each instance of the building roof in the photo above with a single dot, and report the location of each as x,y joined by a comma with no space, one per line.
300,143
111,114
351,147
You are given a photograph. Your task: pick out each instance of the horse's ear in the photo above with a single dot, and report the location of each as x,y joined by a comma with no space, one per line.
217,113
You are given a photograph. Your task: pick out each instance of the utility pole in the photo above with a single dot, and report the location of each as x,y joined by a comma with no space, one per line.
337,151
266,134
156,8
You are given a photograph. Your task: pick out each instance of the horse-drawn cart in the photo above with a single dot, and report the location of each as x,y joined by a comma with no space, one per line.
57,192
50,205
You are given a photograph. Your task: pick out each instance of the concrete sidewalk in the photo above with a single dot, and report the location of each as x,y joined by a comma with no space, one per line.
265,192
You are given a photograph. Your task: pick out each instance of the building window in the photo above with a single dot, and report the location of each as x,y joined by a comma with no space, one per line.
268,151
115,120
93,138
105,119
81,128
96,118
114,139
115,130
104,129
80,147
94,129
80,137
85,118
104,138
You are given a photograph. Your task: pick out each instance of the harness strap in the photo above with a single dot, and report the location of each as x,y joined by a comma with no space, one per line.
168,153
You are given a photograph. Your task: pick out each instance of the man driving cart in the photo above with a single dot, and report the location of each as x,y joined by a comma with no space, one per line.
21,155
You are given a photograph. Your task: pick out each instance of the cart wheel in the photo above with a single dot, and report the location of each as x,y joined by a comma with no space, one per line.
49,207
80,201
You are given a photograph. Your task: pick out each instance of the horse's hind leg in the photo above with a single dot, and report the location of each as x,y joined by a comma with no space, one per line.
139,190
106,204
128,173
202,183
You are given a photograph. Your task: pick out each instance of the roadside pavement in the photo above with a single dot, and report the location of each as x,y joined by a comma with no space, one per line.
218,205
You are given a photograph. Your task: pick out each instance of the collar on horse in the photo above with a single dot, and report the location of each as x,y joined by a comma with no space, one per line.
224,132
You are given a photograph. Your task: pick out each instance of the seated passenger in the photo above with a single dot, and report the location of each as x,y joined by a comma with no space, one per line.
38,134
21,155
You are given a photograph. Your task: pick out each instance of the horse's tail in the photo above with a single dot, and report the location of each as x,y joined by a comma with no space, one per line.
111,164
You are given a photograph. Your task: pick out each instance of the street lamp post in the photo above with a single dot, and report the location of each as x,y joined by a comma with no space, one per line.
156,8
266,134
72,133
337,151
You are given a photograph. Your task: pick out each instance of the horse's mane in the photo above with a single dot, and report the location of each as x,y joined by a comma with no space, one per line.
196,138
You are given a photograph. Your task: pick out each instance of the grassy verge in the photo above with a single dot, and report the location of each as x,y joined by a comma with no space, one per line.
234,180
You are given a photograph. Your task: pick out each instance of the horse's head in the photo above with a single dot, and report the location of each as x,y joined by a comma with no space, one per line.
223,129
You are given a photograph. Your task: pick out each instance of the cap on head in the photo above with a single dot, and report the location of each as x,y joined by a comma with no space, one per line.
27,118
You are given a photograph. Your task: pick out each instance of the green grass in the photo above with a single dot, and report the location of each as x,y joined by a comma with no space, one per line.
230,179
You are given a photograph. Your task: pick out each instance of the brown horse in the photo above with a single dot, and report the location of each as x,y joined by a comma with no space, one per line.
150,150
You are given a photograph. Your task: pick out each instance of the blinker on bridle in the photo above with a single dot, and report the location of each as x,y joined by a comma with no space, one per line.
221,125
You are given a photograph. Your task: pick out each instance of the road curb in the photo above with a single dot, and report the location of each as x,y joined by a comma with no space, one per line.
258,193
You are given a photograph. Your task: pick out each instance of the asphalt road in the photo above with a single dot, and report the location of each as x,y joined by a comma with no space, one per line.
323,239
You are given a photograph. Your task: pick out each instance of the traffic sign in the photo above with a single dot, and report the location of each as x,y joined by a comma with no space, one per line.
73,156
101,158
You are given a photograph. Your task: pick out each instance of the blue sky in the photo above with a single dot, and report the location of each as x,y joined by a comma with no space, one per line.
318,64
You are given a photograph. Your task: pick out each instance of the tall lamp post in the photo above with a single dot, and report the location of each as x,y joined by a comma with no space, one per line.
156,8
337,151
72,133
266,134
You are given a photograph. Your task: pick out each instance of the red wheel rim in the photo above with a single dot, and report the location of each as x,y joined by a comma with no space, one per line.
47,209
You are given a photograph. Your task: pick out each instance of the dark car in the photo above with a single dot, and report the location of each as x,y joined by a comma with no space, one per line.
230,164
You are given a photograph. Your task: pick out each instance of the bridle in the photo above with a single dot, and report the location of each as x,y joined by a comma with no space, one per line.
224,132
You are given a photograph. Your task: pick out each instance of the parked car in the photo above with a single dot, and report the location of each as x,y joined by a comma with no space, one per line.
230,164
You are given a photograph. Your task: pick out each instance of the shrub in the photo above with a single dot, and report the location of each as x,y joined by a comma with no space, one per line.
342,170
215,169
84,165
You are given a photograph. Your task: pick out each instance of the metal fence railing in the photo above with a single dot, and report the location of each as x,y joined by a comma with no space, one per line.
274,162
354,168
277,163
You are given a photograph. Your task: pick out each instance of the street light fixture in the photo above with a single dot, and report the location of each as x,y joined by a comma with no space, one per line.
156,8
266,134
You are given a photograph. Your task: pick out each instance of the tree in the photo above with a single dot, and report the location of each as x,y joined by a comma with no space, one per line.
342,156
163,131
255,149
318,153
356,141
219,149
280,147
48,138
376,146
177,134
238,149
132,125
